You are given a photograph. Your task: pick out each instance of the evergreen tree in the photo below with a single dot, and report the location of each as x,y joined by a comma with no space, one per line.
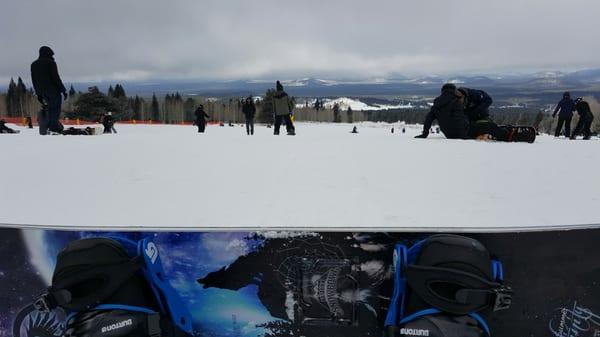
72,92
155,109
266,108
111,91
119,92
11,98
350,115
94,104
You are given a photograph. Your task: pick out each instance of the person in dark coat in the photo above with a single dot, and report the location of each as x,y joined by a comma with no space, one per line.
109,123
249,111
201,118
29,122
565,114
447,109
48,87
586,118
4,128
282,108
476,104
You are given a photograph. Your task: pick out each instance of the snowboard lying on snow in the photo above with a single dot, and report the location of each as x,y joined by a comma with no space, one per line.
318,283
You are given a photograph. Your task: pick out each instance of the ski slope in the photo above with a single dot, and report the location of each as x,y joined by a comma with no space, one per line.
171,177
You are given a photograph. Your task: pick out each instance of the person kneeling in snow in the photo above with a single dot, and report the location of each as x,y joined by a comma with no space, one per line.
585,119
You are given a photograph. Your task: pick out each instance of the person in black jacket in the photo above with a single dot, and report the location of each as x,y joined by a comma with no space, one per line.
201,117
447,109
4,128
109,123
48,88
476,104
585,119
249,111
564,108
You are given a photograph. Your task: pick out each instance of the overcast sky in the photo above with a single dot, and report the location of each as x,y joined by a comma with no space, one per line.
203,39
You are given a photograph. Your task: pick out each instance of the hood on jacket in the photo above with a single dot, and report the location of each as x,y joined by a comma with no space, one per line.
46,52
278,86
449,88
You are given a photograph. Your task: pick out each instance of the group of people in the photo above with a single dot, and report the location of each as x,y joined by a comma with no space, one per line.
282,106
565,109
462,113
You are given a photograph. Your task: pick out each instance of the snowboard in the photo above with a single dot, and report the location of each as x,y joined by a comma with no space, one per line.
525,134
281,283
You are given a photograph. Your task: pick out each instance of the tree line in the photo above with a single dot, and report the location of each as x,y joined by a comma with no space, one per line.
173,108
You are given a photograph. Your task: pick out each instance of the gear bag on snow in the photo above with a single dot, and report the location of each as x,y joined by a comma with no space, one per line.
115,287
442,285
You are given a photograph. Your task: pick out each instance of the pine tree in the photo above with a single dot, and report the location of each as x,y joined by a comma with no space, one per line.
11,97
155,108
350,115
72,92
111,91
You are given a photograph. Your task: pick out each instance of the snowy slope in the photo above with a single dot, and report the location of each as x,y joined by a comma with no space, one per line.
170,176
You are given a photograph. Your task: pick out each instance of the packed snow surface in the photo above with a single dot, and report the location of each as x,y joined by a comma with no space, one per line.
171,176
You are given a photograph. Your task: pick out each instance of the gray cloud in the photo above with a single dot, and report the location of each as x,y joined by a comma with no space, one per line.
144,40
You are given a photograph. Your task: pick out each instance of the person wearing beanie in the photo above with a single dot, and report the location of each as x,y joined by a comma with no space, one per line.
564,108
447,109
282,109
48,87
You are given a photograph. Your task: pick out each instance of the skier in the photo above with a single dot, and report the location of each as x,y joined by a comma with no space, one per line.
585,119
476,104
4,128
48,88
109,123
565,112
249,110
354,130
448,110
282,108
201,117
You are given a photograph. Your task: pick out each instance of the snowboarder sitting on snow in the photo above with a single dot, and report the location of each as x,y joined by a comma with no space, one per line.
566,107
585,119
109,123
282,108
201,117
249,111
354,130
4,128
447,109
476,104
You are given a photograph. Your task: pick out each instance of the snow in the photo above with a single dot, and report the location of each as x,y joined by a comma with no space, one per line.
357,105
172,177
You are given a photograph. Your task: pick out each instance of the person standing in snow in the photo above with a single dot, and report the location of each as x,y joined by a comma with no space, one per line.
585,119
282,108
48,87
249,111
564,108
201,117
109,123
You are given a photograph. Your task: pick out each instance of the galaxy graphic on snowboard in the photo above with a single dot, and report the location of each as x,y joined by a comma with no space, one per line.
235,284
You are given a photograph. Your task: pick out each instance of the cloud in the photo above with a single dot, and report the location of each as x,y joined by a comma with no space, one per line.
185,39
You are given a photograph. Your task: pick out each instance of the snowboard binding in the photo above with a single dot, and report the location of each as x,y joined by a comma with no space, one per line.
441,285
520,133
114,287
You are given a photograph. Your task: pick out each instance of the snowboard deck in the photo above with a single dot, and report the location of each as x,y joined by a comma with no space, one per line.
318,283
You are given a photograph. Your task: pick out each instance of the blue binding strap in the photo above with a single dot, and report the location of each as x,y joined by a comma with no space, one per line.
167,297
396,308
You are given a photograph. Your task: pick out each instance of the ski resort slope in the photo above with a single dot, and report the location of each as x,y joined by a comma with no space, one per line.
172,177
